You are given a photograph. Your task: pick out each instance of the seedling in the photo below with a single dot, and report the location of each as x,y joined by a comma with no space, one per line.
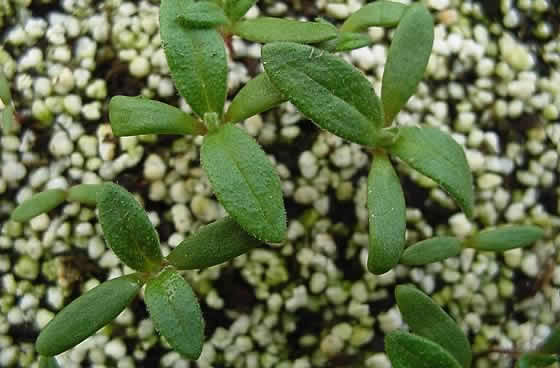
171,301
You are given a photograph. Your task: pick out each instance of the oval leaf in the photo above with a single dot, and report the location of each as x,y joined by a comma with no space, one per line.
245,182
329,91
203,14
431,250
267,29
407,59
387,216
139,115
257,96
437,155
537,360
5,93
406,350
377,14
47,362
128,230
85,193
176,313
235,9
87,314
427,319
213,244
506,237
39,203
196,57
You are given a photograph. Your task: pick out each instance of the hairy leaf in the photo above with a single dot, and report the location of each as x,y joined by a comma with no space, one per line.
427,319
245,182
127,229
377,14
406,350
138,115
85,193
257,96
39,203
431,250
47,362
196,57
387,216
537,360
176,313
506,237
235,9
267,29
203,14
331,92
87,314
213,244
436,155
407,59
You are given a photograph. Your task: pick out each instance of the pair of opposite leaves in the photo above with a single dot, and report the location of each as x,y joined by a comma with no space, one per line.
170,299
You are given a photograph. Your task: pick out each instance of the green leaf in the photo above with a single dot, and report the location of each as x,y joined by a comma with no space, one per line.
8,120
431,250
47,362
329,91
406,350
176,313
203,14
267,29
407,59
5,93
235,9
257,96
39,203
537,360
437,155
245,182
85,193
377,14
506,237
346,41
387,216
196,57
87,314
128,230
138,115
427,319
551,344
213,244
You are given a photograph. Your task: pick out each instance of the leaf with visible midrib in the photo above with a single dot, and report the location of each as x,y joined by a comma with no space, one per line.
267,29
176,313
407,59
39,203
245,182
377,14
87,314
329,91
211,245
257,96
387,216
139,115
196,57
127,229
436,155
407,350
506,237
431,250
427,319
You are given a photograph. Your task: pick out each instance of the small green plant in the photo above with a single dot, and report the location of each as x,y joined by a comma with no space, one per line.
171,301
